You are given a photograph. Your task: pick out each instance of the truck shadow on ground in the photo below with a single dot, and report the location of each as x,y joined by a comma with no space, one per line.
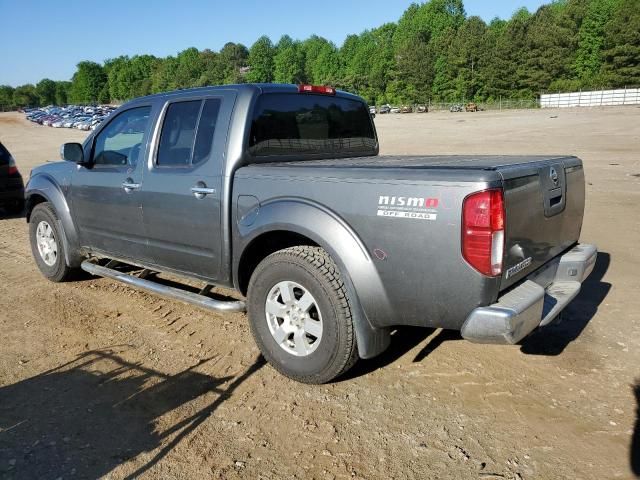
635,441
549,340
404,339
553,339
86,417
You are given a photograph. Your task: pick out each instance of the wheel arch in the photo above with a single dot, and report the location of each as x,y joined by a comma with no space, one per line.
42,188
282,223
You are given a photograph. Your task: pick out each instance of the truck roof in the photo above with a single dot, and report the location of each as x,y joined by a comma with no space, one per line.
253,88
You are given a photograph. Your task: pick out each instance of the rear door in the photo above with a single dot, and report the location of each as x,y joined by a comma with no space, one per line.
181,194
105,198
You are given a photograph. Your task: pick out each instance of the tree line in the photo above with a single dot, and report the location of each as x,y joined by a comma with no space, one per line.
434,52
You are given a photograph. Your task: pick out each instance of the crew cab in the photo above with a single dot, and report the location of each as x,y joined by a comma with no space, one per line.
278,192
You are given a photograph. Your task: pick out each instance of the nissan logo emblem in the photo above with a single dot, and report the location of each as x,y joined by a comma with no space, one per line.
553,175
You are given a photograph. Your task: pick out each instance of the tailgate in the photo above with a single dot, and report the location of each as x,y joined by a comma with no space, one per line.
544,203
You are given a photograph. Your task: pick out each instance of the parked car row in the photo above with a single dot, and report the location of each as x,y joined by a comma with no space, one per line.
402,109
456,107
469,107
72,116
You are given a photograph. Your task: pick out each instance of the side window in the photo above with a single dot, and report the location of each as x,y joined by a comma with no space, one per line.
178,134
206,129
187,133
120,142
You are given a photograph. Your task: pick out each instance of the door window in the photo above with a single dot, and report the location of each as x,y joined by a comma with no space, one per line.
187,133
120,142
206,129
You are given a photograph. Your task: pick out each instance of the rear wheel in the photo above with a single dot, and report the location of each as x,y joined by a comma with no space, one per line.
300,315
47,246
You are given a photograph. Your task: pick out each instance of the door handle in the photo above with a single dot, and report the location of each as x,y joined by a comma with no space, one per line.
201,192
129,185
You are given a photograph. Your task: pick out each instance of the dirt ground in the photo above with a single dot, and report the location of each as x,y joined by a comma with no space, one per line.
97,379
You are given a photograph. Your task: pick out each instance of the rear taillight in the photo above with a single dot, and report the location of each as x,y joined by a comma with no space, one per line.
316,89
483,223
13,169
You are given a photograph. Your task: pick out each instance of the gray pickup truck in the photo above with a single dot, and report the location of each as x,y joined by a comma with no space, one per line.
278,192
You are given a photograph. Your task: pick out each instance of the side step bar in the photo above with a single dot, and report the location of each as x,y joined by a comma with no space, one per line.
166,291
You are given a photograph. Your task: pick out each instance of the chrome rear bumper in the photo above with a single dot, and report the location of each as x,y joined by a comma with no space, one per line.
535,302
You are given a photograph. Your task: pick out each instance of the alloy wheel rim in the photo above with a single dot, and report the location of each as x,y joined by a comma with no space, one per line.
294,318
46,242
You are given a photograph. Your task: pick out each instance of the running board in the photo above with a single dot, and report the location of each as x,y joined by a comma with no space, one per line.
166,291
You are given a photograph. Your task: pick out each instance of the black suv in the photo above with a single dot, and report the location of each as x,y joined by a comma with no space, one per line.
11,184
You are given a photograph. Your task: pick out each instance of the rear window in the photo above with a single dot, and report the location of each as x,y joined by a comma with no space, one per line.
290,124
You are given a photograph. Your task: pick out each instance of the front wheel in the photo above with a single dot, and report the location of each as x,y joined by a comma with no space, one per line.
47,246
300,315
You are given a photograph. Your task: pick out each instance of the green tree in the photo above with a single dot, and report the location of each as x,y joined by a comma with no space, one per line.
46,90
164,75
62,92
591,38
369,63
429,21
130,77
260,61
433,51
621,46
25,96
422,42
470,43
288,62
321,61
503,58
550,48
117,79
188,68
88,83
233,59
213,72
6,98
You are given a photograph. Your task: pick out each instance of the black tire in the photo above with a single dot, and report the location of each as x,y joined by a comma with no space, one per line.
58,271
312,268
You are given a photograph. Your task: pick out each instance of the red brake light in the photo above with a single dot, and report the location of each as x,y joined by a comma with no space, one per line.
316,89
483,221
13,169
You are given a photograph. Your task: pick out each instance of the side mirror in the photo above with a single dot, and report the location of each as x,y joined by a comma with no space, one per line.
72,152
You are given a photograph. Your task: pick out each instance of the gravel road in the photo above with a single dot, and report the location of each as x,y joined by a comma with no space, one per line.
97,379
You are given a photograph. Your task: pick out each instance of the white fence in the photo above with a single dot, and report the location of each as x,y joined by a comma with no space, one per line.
599,98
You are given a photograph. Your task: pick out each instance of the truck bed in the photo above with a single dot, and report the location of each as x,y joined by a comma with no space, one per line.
543,198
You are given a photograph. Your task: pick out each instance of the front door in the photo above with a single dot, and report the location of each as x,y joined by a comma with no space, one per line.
105,195
181,194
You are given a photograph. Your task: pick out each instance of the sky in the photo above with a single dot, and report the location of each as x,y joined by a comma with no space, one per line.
48,38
